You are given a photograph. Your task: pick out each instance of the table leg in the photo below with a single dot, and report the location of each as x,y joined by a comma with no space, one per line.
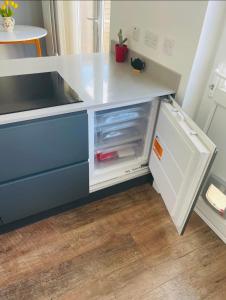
38,47
35,42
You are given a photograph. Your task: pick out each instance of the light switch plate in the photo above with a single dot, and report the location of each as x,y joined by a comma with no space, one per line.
151,39
168,46
136,33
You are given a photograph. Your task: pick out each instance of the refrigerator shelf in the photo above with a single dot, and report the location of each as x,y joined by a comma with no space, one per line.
119,116
118,152
118,142
120,136
104,166
118,126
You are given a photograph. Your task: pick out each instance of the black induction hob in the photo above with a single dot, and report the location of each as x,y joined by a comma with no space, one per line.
33,91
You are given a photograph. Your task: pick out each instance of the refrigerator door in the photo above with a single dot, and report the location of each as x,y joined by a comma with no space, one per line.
180,158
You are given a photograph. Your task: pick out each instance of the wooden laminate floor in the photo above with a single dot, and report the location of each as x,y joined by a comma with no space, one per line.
122,247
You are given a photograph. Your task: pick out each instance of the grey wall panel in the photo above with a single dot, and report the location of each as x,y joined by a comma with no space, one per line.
31,195
36,146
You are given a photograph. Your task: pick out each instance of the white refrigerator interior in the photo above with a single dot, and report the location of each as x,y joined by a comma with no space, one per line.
120,142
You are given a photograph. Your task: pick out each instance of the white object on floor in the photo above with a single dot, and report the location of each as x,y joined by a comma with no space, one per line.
217,199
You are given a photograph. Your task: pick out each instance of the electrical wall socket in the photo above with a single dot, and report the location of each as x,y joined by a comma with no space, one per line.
136,34
168,46
151,39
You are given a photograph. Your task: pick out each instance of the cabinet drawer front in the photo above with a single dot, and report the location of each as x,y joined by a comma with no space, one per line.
36,146
31,195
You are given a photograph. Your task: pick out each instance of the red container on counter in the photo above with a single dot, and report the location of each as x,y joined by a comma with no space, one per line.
120,52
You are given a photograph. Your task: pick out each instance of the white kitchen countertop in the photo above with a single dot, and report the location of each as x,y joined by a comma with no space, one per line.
97,78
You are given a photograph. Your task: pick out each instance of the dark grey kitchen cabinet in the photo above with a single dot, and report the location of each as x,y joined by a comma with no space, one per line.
34,194
43,164
40,145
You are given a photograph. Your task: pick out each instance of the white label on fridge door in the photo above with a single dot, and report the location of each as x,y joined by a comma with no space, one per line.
180,156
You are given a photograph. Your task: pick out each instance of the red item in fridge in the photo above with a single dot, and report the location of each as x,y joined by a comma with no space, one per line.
106,155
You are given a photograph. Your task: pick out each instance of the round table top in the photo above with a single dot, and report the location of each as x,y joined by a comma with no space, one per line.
23,33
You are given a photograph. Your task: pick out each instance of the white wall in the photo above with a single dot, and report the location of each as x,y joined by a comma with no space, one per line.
29,13
179,20
216,128
205,54
206,101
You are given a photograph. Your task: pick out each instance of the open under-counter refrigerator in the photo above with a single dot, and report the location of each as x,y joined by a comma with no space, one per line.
154,136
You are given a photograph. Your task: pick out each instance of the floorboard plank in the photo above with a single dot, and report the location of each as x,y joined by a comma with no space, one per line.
122,247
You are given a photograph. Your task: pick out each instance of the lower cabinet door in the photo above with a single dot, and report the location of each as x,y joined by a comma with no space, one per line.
31,195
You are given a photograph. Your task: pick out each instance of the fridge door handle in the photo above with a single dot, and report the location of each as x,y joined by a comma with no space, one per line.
182,121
